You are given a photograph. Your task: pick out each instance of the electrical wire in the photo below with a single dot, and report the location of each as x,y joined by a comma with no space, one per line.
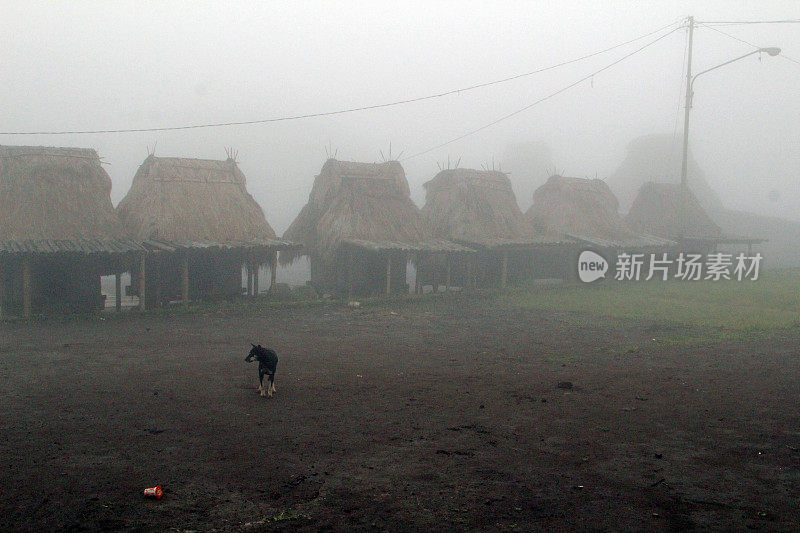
343,111
748,43
543,99
741,22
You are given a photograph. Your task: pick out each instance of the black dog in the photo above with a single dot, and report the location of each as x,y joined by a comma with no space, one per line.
267,363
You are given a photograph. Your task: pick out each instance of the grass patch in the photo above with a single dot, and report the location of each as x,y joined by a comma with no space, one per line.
770,303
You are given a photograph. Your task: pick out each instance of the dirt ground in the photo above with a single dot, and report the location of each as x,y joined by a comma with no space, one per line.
440,414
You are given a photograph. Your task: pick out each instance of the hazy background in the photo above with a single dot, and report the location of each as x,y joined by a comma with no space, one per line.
90,65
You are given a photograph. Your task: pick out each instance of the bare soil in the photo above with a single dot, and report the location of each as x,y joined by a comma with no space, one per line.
435,415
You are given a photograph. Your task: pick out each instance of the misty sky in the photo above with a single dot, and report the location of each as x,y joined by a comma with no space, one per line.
109,65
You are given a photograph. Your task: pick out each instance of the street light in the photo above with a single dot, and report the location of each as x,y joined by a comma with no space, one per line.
772,51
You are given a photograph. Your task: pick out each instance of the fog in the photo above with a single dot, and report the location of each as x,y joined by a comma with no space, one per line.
116,65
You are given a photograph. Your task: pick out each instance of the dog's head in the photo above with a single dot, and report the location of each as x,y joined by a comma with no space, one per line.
255,351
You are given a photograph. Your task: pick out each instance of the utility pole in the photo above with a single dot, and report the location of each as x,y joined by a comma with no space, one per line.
688,106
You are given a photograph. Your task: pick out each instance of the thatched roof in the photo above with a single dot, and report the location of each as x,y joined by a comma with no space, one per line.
658,158
577,206
658,209
362,201
55,194
473,205
192,201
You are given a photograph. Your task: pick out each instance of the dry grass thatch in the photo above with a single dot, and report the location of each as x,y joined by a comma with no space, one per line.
658,210
577,206
368,201
55,193
192,200
472,205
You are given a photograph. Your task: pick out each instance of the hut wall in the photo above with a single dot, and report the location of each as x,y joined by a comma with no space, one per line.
215,275
557,262
365,270
212,275
58,284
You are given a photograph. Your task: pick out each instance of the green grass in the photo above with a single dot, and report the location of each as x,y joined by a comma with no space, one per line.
770,303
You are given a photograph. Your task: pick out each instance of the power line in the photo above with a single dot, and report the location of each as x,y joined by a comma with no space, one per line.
741,22
343,111
748,43
726,34
539,101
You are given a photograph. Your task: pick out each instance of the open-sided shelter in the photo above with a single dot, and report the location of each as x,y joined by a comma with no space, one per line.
360,228
587,211
478,208
58,230
672,212
200,227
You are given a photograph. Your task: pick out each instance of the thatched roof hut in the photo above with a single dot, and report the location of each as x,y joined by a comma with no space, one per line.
472,205
478,208
585,209
361,227
192,201
357,201
202,225
58,230
659,209
55,194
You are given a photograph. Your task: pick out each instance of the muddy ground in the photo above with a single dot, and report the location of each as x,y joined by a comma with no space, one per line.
441,414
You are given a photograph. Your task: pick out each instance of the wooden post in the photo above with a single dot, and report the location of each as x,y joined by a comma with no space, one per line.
447,285
118,290
185,279
2,288
255,279
416,275
350,273
504,271
388,273
26,288
532,264
142,284
273,271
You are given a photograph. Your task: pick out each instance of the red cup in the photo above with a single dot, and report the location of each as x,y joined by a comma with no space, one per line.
154,492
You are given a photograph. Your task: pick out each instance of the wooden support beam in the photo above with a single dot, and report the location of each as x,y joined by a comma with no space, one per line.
504,271
2,291
142,284
273,271
26,288
118,291
249,279
416,275
350,274
388,274
532,264
255,279
185,279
